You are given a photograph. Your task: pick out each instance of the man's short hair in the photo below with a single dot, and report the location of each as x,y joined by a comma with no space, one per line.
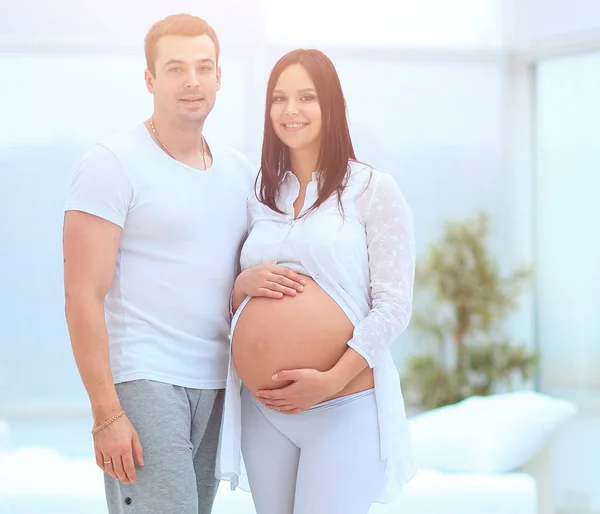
176,25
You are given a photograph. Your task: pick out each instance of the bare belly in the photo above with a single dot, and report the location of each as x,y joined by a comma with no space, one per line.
308,330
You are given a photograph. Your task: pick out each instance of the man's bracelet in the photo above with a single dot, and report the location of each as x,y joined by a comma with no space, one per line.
108,422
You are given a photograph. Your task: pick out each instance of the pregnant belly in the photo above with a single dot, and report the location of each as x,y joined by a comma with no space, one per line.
308,330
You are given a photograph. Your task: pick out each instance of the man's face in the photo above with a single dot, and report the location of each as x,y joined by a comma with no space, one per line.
186,78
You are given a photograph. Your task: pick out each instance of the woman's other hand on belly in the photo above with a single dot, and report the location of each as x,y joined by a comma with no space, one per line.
268,280
308,388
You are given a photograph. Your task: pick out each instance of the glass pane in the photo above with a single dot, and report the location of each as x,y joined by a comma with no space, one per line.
442,144
568,240
433,139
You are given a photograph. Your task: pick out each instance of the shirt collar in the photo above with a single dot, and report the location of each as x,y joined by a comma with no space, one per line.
315,175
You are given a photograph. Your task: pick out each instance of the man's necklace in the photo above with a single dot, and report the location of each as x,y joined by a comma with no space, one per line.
166,150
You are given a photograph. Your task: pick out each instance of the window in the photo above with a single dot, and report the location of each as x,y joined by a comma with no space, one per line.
568,245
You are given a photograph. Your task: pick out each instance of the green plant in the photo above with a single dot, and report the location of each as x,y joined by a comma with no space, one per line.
461,302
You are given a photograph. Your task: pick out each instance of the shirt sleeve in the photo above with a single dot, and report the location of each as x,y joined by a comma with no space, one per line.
252,175
238,266
100,187
236,273
391,248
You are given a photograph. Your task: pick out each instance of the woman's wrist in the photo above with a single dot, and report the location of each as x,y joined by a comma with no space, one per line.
237,297
347,368
338,379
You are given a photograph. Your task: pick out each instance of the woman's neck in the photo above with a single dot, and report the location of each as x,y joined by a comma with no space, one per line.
304,162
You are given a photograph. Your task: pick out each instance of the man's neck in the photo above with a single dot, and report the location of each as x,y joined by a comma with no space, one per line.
182,140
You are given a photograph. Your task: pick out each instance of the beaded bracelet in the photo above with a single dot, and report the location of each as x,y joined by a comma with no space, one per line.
108,422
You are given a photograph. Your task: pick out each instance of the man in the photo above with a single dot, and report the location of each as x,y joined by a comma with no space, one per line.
154,219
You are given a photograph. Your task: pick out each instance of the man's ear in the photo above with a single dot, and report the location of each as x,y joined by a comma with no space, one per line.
218,78
149,80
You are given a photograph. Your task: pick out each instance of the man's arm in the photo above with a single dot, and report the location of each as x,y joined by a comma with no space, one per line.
90,247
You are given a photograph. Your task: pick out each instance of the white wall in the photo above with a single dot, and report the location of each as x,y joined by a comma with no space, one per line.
544,22
422,24
79,26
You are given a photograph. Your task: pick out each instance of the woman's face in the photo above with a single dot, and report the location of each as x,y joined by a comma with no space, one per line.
295,109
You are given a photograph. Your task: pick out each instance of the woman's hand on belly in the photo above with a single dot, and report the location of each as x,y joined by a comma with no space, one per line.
308,388
268,280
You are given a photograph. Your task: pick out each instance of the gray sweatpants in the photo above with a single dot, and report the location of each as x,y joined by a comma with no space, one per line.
179,432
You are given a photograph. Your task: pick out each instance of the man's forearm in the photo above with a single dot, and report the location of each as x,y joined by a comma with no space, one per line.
89,340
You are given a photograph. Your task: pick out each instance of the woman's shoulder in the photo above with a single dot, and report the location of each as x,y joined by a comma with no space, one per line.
371,186
365,179
257,209
360,171
252,201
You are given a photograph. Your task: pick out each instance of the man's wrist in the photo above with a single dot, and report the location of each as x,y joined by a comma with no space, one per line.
101,411
101,426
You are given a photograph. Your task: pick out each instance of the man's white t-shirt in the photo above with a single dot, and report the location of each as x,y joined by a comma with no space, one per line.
167,310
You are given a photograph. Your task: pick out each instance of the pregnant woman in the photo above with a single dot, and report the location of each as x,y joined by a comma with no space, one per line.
325,289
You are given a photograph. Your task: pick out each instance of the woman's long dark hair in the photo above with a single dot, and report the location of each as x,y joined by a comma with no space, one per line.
336,145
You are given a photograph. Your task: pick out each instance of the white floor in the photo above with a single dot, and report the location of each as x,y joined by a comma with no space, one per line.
50,469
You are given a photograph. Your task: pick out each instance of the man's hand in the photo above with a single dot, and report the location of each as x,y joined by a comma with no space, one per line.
268,280
119,443
309,387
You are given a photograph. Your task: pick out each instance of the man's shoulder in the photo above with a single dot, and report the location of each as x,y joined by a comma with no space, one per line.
126,138
112,144
110,152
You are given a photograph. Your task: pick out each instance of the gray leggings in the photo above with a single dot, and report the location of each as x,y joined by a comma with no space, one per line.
179,432
325,460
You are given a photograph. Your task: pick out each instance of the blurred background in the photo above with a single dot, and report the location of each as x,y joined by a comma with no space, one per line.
486,112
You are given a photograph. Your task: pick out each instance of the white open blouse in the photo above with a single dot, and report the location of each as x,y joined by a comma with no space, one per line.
365,260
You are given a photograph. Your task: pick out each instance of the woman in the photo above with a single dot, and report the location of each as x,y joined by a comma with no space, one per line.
325,289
